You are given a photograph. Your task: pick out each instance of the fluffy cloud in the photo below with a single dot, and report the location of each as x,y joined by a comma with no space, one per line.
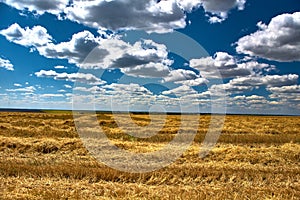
94,89
39,6
186,97
189,5
123,97
260,105
73,77
223,65
230,88
286,95
134,96
279,40
142,59
149,15
194,82
243,84
282,100
185,77
6,64
126,89
285,89
217,10
29,89
35,37
75,50
252,104
250,101
180,75
268,80
152,16
180,91
218,6
252,97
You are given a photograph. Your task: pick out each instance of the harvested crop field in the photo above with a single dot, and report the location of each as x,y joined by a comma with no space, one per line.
256,157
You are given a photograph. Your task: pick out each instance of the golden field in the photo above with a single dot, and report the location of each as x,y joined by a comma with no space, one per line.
256,157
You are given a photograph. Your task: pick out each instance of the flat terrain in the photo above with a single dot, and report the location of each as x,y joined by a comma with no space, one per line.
256,157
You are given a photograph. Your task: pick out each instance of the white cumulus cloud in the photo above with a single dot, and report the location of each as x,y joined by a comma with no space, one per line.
243,84
223,65
39,6
185,77
183,90
35,37
72,77
180,75
285,89
268,80
286,95
6,64
149,15
29,89
279,40
217,10
144,58
75,50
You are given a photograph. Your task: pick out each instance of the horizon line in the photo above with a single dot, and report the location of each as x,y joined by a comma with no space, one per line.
135,112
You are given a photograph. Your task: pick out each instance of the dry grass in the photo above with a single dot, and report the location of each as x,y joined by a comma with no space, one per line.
256,157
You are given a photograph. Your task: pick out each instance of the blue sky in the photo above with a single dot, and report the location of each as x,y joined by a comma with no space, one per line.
238,56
